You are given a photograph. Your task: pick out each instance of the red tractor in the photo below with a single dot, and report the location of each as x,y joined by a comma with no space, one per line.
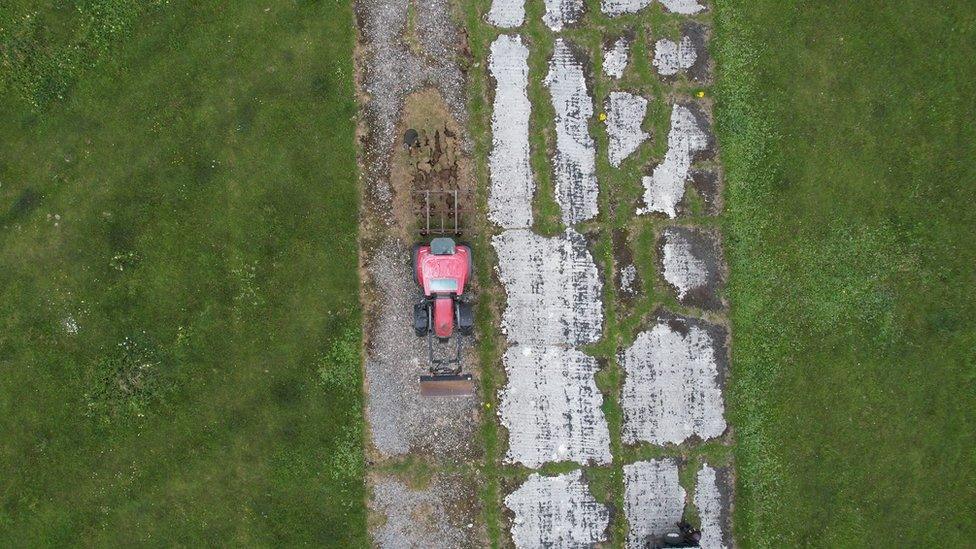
441,270
444,314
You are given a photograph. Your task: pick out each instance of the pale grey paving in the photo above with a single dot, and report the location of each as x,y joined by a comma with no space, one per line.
553,289
691,263
556,512
616,57
552,408
560,13
512,187
574,164
686,7
671,57
673,382
614,8
625,114
712,490
665,187
654,501
506,14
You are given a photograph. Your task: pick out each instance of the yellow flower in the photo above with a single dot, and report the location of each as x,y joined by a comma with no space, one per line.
700,94
603,116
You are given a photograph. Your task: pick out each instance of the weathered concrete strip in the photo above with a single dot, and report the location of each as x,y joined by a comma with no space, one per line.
574,163
712,494
512,187
691,263
673,379
671,57
685,7
553,289
506,14
556,512
552,408
654,501
625,114
615,57
560,13
613,8
665,187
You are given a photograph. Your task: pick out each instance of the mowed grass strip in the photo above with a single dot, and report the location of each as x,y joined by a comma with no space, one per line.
179,324
848,138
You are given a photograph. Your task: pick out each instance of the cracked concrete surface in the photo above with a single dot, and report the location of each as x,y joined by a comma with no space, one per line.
665,187
553,289
400,419
684,7
574,164
506,14
654,501
512,187
560,13
615,57
712,489
673,380
625,114
556,512
552,408
671,57
691,263
391,71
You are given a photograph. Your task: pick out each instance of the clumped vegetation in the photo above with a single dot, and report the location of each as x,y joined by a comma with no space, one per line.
849,147
179,325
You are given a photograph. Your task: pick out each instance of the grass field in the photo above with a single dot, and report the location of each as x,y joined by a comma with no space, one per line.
848,139
179,325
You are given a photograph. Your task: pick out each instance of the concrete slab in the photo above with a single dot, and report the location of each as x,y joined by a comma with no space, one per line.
691,263
574,163
625,114
615,57
654,501
556,512
687,140
673,380
685,7
506,14
552,408
560,13
512,188
671,57
613,8
712,493
553,289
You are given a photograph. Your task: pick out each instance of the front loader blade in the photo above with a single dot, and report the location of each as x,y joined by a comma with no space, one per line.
447,385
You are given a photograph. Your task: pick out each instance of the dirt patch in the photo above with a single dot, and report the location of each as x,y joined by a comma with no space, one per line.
428,156
691,264
707,183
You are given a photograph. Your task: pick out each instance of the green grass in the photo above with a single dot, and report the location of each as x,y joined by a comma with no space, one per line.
178,181
849,143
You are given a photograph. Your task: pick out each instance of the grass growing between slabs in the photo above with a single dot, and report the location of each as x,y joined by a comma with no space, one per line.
849,144
179,326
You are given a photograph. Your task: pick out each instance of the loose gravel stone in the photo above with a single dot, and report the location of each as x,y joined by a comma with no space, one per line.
671,57
625,114
560,13
391,71
512,187
551,407
553,289
615,58
416,518
691,262
401,420
673,382
556,512
574,163
665,187
711,500
654,501
507,14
